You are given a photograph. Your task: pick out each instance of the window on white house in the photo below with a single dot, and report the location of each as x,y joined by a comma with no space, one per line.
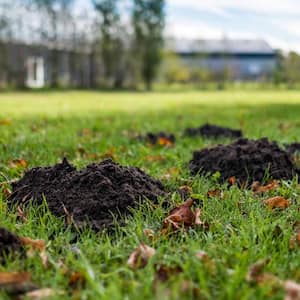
35,72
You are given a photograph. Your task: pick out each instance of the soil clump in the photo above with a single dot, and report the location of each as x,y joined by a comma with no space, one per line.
9,243
246,160
293,148
214,131
91,195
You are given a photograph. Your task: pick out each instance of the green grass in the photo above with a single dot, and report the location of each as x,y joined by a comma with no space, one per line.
44,127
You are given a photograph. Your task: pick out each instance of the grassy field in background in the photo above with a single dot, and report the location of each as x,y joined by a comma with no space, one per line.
44,127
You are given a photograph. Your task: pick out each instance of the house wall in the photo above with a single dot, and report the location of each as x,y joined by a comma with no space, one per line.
73,69
240,68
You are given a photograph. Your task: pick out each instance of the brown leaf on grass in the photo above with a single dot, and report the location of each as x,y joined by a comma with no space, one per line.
38,245
277,202
18,163
164,273
140,256
16,282
180,217
215,193
232,180
295,240
292,290
164,141
77,279
257,188
42,294
256,270
5,122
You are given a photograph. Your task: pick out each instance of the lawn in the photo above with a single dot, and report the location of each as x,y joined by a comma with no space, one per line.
43,127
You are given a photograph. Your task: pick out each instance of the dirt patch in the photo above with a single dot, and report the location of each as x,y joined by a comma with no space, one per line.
90,195
161,138
293,148
246,160
9,243
213,131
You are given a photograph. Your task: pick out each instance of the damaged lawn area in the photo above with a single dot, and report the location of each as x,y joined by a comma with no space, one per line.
195,237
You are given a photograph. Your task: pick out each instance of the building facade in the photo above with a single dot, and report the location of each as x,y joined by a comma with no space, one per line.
241,59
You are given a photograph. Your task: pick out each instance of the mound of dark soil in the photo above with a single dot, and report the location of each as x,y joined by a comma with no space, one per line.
161,138
247,160
213,131
9,243
92,194
293,148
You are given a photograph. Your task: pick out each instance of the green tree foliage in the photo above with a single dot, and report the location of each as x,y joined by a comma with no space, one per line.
148,18
110,43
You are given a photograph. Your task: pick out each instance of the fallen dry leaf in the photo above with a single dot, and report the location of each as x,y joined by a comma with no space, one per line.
257,188
292,290
140,256
16,282
163,141
42,294
180,217
256,270
38,245
215,193
277,202
76,279
18,163
5,122
232,180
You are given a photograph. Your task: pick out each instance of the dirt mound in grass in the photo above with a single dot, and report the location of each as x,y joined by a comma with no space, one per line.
214,131
293,148
247,160
91,195
9,243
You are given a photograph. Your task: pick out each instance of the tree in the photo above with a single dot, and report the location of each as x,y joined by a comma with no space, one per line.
148,20
111,44
53,32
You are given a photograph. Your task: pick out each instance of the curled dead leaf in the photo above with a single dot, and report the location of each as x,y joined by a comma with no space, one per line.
277,202
215,193
232,180
18,163
181,217
258,188
256,270
140,256
292,290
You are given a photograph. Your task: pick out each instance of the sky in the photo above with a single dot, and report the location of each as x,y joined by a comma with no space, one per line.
276,21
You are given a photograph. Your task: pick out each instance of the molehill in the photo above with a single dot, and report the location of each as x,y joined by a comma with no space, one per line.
90,195
247,160
214,131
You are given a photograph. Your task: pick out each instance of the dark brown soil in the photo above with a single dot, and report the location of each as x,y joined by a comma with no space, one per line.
293,148
247,160
154,138
214,131
90,195
9,243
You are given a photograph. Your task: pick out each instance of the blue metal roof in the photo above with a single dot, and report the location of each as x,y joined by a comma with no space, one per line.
225,46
